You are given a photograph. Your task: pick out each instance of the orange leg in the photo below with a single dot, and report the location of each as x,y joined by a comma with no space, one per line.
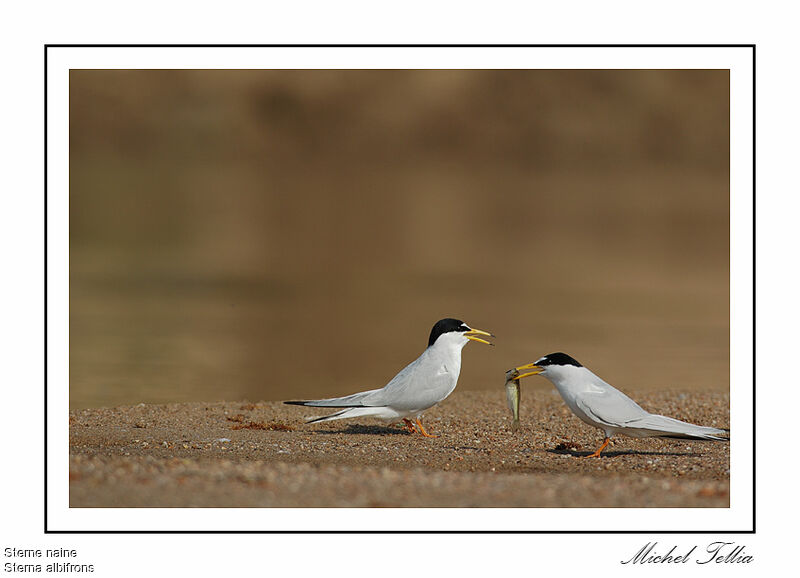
600,449
409,425
423,432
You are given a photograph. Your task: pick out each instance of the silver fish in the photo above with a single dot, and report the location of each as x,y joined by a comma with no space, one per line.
512,395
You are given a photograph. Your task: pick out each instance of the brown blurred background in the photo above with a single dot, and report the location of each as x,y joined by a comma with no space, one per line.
277,234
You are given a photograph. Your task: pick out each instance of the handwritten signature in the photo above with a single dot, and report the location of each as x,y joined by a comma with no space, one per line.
716,552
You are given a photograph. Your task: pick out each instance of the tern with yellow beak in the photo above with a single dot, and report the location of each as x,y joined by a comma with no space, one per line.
421,384
608,409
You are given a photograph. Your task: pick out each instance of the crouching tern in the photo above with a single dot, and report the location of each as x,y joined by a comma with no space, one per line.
421,384
608,409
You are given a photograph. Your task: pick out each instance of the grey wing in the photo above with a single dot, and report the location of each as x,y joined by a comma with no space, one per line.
394,391
610,407
354,400
399,388
413,388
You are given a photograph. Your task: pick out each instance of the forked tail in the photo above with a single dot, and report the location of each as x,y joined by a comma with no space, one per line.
663,426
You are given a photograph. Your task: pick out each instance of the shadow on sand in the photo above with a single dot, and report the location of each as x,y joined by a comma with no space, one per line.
367,430
616,453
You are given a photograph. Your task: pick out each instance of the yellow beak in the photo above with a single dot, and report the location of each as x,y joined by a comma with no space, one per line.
536,370
473,332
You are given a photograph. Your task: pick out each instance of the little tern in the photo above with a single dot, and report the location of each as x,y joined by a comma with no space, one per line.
421,384
608,409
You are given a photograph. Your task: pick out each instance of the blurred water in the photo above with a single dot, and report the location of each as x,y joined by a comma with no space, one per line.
289,234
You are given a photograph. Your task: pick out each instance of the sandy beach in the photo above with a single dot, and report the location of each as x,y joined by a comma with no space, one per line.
262,454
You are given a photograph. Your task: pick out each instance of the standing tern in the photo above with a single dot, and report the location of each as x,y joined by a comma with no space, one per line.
421,384
608,409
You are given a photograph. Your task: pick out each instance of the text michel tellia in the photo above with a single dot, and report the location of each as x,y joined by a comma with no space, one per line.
714,553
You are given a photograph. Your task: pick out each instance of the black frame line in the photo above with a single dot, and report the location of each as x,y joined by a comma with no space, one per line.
750,531
45,289
399,46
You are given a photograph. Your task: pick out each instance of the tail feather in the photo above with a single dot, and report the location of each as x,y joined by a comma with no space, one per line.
663,426
344,414
337,415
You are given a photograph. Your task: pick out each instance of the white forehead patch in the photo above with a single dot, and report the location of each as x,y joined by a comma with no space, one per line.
540,359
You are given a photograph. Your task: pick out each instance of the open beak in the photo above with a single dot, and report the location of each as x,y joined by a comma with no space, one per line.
536,370
473,332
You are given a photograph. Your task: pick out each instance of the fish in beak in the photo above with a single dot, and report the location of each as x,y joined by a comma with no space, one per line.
536,370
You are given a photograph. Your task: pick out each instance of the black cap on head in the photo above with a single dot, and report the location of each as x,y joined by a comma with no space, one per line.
446,326
557,359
